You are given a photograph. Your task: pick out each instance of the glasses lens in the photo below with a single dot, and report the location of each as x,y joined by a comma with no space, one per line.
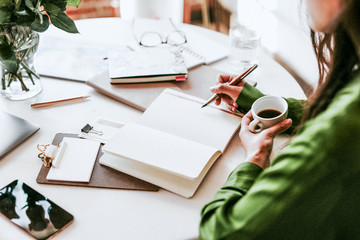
176,38
150,39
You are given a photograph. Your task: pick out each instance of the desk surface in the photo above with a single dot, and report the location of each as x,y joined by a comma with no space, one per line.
120,214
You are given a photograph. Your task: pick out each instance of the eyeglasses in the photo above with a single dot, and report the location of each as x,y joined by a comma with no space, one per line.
153,39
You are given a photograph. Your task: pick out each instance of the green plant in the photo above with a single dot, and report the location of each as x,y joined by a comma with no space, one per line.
32,15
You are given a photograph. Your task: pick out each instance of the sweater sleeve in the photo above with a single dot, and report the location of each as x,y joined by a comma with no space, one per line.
249,94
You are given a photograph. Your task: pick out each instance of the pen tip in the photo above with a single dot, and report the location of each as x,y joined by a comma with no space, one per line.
203,106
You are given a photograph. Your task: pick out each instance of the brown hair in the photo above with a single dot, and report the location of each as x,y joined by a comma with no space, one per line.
337,56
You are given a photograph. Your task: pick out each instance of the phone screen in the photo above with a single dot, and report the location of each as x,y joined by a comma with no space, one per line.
31,211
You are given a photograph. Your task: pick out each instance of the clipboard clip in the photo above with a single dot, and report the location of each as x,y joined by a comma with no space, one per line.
51,155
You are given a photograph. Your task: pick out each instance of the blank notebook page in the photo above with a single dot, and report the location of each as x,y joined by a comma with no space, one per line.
185,118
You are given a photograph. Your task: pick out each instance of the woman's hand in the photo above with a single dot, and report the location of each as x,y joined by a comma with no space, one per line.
258,146
227,93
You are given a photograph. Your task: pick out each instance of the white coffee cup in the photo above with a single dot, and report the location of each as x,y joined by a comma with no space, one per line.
267,111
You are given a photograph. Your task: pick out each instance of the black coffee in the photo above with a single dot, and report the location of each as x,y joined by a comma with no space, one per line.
269,113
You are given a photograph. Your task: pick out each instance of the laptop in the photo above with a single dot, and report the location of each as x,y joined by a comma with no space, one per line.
13,131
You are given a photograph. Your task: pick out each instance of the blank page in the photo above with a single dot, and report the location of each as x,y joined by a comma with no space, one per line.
180,114
161,150
77,162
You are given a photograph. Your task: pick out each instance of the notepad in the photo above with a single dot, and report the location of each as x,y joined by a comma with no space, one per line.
174,143
77,161
147,65
200,49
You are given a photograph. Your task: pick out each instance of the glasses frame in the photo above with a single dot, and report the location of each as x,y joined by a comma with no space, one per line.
160,36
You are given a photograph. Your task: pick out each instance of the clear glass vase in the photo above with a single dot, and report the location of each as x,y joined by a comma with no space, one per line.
26,82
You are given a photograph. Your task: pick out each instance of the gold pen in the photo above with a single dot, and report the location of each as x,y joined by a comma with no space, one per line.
234,82
56,102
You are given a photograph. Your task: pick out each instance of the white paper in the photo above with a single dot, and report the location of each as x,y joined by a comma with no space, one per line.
77,162
171,112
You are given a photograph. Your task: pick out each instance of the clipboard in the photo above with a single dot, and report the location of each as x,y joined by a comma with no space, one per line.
101,177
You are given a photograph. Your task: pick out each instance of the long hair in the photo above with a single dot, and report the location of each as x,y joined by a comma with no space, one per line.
337,54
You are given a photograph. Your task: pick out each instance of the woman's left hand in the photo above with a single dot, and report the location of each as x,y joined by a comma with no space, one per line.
258,146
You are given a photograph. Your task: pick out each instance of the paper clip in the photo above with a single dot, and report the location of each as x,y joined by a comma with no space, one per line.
51,155
90,129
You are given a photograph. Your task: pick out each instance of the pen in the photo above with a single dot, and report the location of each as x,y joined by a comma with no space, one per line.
234,82
55,102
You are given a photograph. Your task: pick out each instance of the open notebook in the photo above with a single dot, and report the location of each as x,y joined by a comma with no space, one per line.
174,143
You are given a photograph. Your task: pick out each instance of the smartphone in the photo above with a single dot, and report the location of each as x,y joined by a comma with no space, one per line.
31,211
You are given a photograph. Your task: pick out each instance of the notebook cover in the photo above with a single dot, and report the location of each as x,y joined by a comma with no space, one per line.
102,176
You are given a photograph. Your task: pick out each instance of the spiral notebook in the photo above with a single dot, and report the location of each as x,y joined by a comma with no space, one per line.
200,50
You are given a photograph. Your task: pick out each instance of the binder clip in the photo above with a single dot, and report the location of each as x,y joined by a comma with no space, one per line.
51,155
90,129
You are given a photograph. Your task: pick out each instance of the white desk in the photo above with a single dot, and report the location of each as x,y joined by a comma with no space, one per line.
119,214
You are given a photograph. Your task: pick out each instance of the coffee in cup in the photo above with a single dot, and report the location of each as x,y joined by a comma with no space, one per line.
267,111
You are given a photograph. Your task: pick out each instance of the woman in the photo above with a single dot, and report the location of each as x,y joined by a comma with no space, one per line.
312,189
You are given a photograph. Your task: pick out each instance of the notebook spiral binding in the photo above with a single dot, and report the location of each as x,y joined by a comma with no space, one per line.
184,48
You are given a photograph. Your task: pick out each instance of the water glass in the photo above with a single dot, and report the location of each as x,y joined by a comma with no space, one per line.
244,47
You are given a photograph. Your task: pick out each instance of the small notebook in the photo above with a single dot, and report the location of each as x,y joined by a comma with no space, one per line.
174,143
147,65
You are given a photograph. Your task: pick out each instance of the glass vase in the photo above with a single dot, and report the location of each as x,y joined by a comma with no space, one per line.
26,82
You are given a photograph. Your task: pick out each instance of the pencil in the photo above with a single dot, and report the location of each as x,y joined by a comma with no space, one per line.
55,102
234,82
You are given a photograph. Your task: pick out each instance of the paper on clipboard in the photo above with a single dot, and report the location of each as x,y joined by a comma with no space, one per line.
77,161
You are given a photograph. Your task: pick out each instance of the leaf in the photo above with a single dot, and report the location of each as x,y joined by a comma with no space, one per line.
30,5
5,3
52,8
63,22
38,27
5,16
8,58
19,6
60,3
25,20
74,3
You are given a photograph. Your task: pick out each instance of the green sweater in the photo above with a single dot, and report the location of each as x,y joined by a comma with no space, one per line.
310,191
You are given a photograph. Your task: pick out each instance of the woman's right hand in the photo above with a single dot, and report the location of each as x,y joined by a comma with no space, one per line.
227,93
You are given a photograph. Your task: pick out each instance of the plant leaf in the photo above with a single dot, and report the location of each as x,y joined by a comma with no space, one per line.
74,3
5,16
60,3
52,8
5,3
8,58
38,27
63,22
25,19
30,5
